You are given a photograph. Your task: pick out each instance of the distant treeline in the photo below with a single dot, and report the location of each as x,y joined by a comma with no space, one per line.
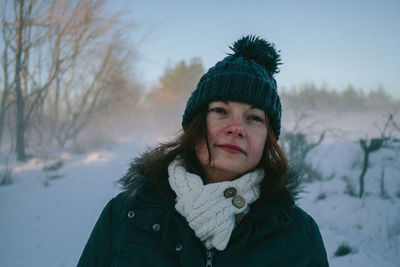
311,96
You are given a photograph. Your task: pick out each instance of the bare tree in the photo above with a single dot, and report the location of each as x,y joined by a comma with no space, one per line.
62,53
92,52
6,62
387,139
297,146
21,22
305,134
79,108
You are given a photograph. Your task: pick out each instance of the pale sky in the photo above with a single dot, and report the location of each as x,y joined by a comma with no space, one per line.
332,42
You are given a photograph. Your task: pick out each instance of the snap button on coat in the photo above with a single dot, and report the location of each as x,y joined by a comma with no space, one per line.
238,201
178,247
156,227
131,214
229,192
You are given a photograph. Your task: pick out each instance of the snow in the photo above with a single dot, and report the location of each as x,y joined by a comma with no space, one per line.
47,216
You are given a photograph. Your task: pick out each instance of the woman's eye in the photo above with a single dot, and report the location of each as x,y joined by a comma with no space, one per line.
256,118
218,110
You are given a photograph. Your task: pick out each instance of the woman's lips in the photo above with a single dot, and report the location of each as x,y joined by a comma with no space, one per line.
231,148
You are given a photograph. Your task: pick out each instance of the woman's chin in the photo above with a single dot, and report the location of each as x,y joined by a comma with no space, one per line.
225,170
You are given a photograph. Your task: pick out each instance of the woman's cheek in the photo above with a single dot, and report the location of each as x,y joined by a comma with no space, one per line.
258,145
202,153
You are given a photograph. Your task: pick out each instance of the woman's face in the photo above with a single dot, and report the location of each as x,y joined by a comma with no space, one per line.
236,134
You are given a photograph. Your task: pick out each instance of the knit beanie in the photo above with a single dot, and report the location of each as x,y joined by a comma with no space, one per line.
245,76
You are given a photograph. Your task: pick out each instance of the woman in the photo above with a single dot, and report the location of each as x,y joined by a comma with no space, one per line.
221,193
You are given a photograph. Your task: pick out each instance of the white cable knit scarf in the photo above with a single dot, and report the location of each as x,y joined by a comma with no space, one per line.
209,213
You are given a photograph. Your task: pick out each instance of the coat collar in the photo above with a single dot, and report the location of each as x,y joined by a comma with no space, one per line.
263,218
136,182
138,173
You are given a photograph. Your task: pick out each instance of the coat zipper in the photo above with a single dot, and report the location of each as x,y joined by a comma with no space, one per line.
210,255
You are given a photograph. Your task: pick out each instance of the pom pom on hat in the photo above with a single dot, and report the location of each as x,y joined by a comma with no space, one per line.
261,51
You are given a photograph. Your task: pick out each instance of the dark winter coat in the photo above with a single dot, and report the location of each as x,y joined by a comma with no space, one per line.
142,228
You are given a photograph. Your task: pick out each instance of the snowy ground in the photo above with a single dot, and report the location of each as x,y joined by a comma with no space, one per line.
46,216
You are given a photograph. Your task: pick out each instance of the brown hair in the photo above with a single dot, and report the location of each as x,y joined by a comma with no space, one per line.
273,160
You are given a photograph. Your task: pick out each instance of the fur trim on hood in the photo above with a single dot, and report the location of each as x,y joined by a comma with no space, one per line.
138,171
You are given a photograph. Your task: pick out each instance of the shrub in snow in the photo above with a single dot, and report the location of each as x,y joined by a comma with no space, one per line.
49,178
393,233
6,174
398,193
6,177
388,139
350,188
54,166
343,250
321,196
297,147
368,147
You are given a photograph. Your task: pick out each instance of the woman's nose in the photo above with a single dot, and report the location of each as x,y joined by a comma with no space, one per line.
236,129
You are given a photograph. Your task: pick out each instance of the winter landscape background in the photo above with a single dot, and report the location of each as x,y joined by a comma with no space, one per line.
86,86
49,210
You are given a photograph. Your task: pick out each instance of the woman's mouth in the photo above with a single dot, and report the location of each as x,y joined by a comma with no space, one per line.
234,149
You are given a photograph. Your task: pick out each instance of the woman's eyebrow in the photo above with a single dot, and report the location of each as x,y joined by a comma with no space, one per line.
219,101
253,107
